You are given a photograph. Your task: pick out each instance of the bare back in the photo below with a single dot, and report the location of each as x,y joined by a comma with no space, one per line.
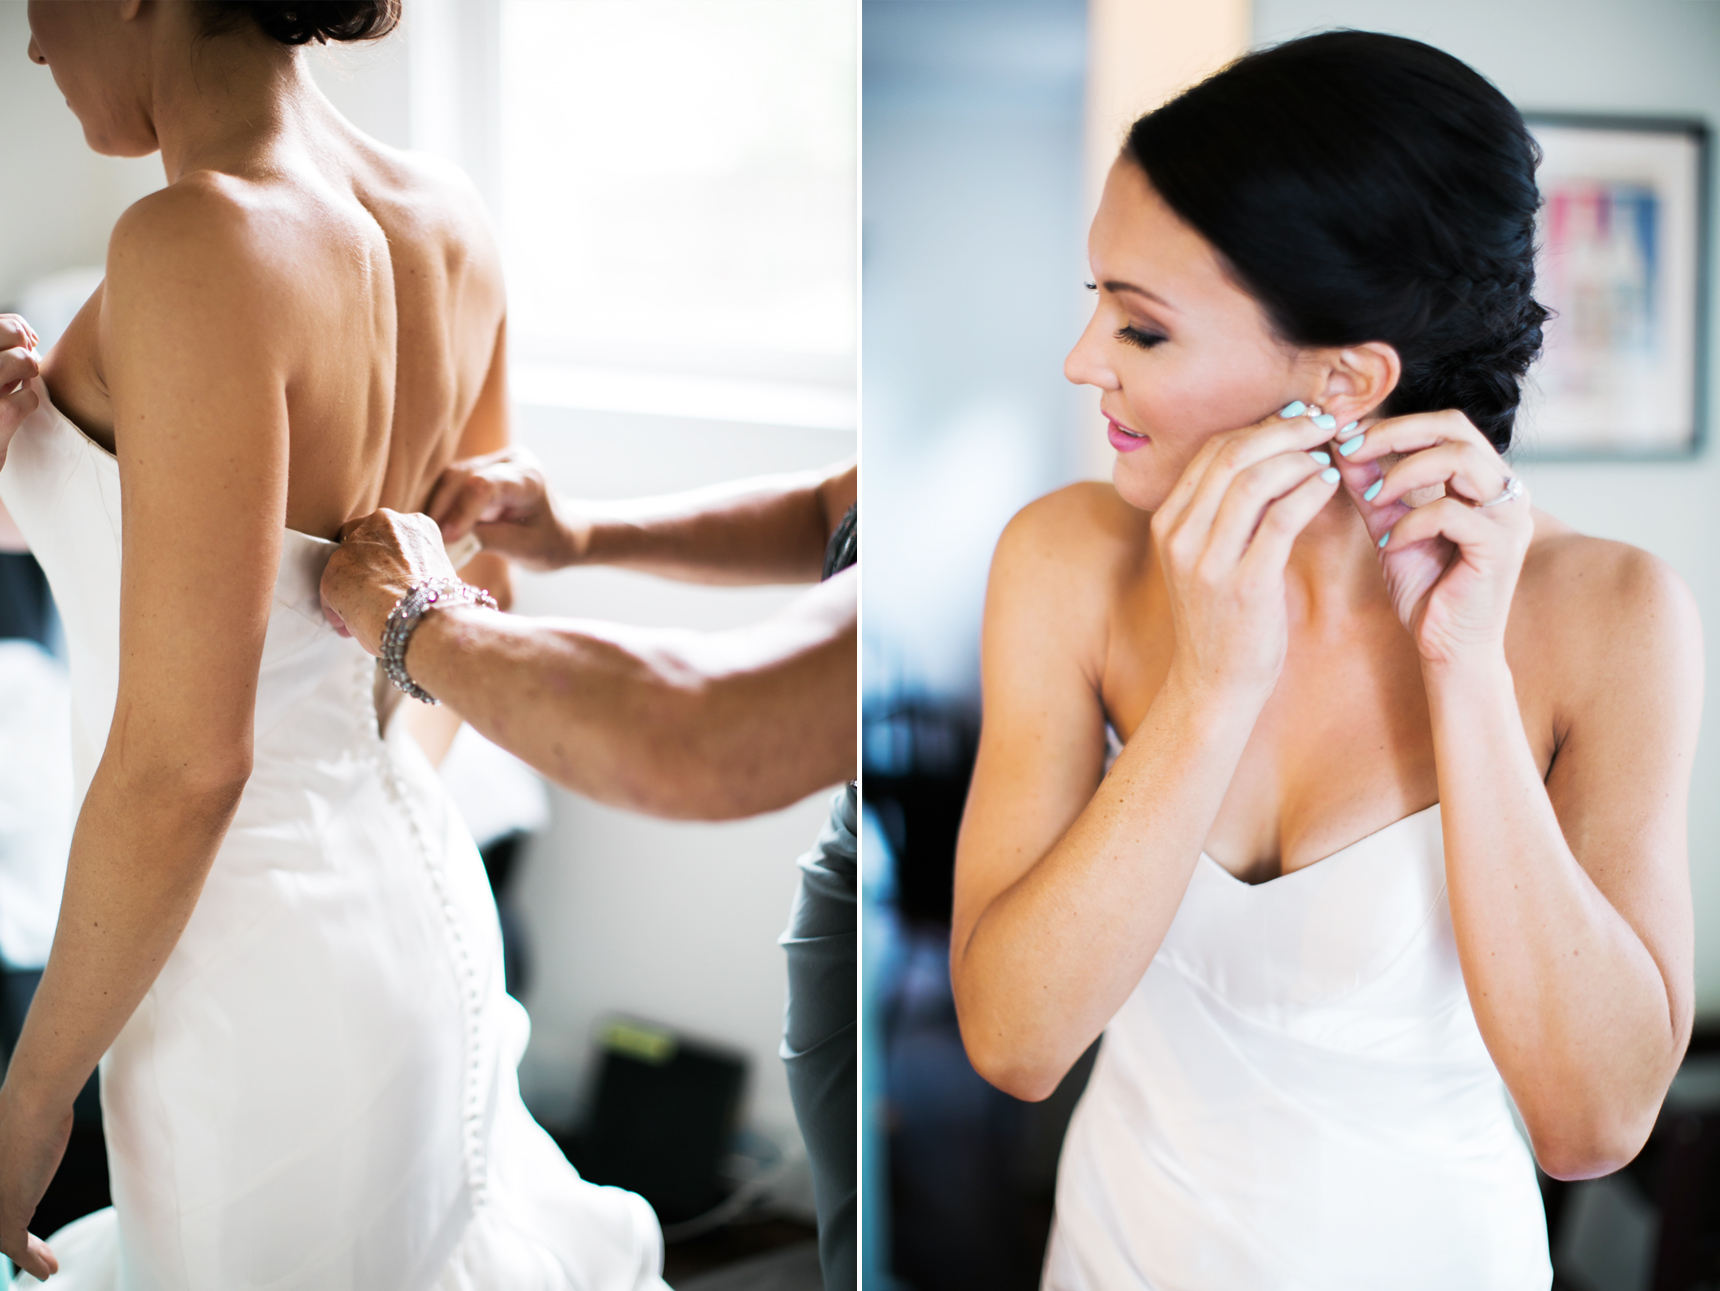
387,312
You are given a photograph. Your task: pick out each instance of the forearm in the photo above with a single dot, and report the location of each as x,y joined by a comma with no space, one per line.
139,857
1048,962
769,530
1574,1009
689,725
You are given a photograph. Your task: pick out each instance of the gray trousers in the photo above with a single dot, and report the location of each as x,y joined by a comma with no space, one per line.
819,1031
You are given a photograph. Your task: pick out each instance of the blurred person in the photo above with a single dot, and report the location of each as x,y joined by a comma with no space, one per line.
1393,850
690,725
275,934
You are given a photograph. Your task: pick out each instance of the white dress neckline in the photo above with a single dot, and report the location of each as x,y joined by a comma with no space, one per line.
1366,840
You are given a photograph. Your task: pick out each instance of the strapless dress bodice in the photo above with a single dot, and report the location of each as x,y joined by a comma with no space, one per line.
309,673
1296,1096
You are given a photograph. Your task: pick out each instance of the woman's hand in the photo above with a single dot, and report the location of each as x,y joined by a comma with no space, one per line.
1451,565
1224,535
31,1145
19,365
504,498
380,558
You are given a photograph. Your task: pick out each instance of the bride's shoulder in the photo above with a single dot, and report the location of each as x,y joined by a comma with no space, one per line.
1589,600
208,234
1076,543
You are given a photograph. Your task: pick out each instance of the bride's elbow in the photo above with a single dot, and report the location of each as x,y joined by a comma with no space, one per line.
1570,1152
1002,1061
200,784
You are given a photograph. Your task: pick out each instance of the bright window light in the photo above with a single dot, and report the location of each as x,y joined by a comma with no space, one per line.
678,185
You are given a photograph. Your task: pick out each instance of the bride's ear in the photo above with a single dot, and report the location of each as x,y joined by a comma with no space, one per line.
1358,379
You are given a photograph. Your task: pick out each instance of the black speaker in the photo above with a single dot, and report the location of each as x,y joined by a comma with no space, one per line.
663,1116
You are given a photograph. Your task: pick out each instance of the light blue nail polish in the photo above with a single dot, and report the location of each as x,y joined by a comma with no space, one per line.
1385,537
1325,421
1295,408
1330,475
1351,445
1325,459
1373,490
1347,429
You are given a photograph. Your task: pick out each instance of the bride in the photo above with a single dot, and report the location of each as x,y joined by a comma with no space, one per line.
1387,888
274,928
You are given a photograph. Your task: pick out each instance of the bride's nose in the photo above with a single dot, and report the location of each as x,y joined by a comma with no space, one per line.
1087,364
36,54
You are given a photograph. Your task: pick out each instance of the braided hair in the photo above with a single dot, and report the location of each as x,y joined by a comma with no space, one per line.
1365,187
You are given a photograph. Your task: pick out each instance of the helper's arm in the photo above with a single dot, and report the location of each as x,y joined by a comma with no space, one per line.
697,725
767,530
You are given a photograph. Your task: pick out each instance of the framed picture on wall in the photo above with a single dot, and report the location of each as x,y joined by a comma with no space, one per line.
1622,265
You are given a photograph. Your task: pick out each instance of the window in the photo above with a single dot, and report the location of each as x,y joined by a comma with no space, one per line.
677,188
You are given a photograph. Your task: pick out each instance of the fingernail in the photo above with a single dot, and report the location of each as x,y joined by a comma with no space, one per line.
1326,421
1295,408
1347,429
1385,537
1330,475
1373,490
1325,459
1351,445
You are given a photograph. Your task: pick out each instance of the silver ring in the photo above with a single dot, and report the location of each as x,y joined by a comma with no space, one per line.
1512,492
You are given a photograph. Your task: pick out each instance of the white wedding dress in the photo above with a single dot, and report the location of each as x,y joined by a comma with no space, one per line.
318,1092
1296,1098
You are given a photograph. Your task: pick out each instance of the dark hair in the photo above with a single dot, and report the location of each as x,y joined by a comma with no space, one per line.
298,22
1365,187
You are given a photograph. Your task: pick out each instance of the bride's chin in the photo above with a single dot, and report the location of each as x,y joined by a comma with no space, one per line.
1140,489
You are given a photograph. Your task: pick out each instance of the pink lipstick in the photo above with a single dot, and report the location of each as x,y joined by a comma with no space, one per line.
1122,439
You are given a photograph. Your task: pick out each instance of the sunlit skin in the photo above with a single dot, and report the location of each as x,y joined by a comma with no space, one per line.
301,327
1285,687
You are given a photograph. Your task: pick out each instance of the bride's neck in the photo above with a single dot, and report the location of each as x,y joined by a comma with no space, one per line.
217,101
1334,569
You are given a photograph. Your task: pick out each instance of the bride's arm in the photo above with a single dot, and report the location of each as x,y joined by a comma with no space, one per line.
1570,899
190,332
1063,892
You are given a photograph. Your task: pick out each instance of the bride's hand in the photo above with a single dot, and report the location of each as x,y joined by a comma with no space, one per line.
379,559
1223,537
19,365
31,1146
1451,565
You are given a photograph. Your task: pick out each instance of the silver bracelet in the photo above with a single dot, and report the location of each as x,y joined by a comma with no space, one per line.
404,617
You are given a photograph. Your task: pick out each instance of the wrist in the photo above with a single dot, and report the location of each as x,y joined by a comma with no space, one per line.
34,1096
1216,708
1482,673
576,535
406,621
1216,698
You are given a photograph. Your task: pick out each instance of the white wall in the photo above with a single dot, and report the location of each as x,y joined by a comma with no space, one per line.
1659,57
58,200
671,922
674,922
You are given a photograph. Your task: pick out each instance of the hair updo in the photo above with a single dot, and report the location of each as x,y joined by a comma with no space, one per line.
1365,187
298,22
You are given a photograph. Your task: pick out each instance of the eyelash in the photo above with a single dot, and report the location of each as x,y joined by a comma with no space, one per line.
1129,335
1141,340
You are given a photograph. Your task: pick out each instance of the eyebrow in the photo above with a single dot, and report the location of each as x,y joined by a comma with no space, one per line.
1114,285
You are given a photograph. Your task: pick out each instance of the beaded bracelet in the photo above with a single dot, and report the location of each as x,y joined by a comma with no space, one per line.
404,617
